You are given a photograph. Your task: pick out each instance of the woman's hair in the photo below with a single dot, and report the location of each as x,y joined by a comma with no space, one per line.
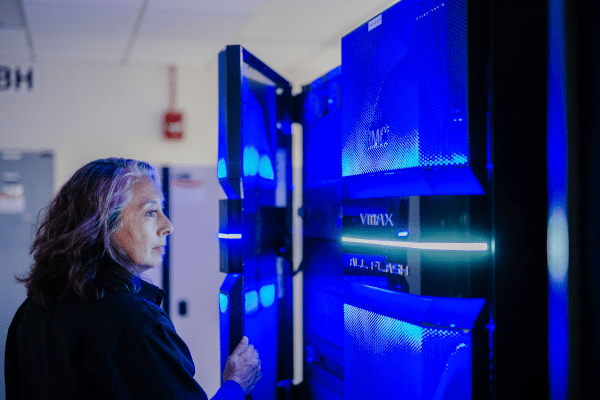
73,250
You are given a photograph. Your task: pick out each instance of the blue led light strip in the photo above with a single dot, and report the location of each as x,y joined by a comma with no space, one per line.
558,218
421,245
229,235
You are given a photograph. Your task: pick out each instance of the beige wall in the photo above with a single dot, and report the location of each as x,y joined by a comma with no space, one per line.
84,111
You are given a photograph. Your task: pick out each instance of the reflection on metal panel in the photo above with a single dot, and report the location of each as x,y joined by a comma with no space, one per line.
387,358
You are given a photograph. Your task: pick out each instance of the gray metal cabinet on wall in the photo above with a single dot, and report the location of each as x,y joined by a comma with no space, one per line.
194,282
25,189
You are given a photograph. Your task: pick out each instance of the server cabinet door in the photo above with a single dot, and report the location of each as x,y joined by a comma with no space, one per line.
254,169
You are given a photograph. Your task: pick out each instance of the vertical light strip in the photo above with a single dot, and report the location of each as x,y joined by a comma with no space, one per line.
281,168
297,252
558,228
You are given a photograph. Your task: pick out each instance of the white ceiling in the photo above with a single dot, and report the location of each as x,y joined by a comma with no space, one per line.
300,39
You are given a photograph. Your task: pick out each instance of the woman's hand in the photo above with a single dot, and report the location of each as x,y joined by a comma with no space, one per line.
243,366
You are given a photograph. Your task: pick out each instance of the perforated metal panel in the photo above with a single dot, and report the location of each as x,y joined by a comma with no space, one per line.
406,102
386,358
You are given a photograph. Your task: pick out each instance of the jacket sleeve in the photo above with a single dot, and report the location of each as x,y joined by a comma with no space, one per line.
230,390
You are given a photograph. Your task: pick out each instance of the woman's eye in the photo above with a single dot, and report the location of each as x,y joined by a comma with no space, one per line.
152,213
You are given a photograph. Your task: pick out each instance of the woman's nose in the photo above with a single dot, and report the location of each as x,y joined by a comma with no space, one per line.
167,227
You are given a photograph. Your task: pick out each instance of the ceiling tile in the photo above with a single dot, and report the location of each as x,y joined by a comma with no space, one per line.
246,7
85,20
311,21
69,47
178,24
174,52
288,35
69,4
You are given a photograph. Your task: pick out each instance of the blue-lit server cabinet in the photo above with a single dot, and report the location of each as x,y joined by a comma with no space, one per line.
396,210
254,169
397,223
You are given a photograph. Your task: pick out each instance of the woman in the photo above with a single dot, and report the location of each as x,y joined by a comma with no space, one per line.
90,327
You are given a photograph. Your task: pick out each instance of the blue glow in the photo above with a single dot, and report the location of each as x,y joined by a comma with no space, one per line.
221,169
415,102
558,220
377,346
265,168
481,246
428,310
459,159
403,234
558,246
267,295
229,235
250,161
414,182
223,302
251,303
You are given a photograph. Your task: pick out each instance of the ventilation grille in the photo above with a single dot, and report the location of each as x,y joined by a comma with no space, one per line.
385,358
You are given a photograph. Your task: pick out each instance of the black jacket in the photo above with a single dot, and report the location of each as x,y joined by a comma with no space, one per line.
123,346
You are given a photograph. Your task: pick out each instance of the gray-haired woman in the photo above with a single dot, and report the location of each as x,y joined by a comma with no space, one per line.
90,327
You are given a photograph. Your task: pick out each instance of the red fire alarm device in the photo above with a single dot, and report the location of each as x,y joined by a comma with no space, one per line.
173,118
173,125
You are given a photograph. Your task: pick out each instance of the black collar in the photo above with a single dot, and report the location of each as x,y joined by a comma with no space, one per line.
151,293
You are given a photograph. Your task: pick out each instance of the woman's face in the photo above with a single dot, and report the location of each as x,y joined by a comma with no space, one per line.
144,226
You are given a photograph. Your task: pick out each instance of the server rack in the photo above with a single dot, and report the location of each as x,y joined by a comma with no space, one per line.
456,314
